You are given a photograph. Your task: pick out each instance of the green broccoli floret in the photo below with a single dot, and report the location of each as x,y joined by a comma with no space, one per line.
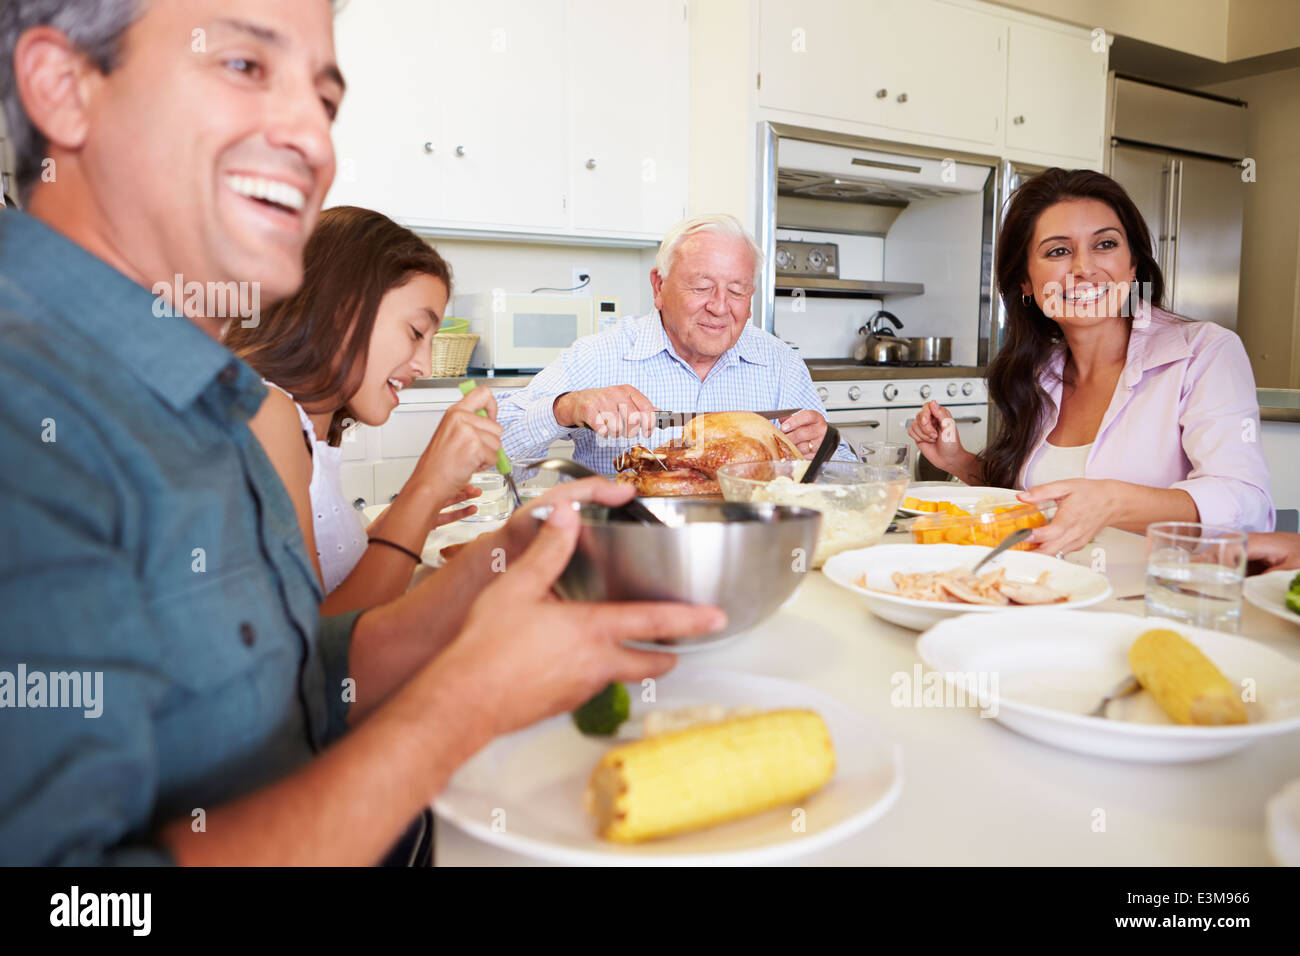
602,715
1293,600
1295,585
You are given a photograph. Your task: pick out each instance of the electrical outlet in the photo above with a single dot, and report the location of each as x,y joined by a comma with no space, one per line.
578,273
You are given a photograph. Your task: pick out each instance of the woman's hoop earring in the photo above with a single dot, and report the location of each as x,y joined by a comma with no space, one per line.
1026,299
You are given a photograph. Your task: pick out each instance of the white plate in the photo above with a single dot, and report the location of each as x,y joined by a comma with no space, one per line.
1268,593
1282,814
532,783
963,496
1084,587
1052,667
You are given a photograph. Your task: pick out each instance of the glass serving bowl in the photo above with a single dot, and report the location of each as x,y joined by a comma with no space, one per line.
984,527
857,501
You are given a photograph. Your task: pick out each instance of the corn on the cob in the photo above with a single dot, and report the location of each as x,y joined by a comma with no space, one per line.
709,774
1184,682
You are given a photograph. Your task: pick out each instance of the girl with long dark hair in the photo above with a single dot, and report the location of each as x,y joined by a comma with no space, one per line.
1121,412
337,352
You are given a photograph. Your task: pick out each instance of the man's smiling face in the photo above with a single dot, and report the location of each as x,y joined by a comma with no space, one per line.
208,148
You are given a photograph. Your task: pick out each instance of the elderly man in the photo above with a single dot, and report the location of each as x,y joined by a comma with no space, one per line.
150,550
696,351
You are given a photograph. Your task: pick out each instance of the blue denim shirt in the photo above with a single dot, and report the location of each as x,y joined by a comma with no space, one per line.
144,537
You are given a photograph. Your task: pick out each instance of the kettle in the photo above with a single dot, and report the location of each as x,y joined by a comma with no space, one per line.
875,347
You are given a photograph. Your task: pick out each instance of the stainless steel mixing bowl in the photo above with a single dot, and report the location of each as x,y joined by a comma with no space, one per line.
744,558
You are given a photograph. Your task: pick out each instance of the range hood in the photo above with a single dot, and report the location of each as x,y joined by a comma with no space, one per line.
809,184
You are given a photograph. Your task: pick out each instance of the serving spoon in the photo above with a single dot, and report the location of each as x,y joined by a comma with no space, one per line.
1010,541
565,466
830,441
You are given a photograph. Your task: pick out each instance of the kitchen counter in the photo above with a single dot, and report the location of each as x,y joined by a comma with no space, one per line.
1279,404
1275,404
976,793
821,371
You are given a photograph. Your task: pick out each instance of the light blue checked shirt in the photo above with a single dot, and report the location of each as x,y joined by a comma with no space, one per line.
758,372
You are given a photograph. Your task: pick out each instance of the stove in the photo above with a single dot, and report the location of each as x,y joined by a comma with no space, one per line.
874,409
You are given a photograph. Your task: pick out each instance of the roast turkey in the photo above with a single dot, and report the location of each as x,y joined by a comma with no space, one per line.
689,465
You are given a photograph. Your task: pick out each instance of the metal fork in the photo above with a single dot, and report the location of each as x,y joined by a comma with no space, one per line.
1125,687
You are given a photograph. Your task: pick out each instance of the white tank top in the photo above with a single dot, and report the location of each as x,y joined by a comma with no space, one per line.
340,537
1059,463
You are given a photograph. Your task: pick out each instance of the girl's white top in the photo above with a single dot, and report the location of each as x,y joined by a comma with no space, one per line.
340,536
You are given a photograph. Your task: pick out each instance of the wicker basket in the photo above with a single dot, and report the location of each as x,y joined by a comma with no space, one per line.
451,352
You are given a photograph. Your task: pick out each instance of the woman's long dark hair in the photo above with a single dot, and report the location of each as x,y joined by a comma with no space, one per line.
314,344
1030,336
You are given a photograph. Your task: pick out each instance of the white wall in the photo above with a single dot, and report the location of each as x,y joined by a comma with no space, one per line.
481,266
1199,27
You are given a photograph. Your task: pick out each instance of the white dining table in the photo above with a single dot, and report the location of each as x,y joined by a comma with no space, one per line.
975,792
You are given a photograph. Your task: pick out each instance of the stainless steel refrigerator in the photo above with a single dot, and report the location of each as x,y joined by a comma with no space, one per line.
1180,155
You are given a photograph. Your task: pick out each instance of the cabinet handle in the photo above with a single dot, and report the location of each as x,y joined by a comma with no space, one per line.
1018,121
969,420
881,94
591,164
359,504
428,147
460,150
861,424
902,97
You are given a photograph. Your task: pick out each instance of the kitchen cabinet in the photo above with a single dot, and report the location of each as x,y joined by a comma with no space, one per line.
503,106
388,134
1056,93
518,118
919,66
627,124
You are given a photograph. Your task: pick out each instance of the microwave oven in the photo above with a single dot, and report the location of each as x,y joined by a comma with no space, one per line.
524,332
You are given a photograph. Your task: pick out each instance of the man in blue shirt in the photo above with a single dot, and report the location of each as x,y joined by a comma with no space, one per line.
168,692
696,351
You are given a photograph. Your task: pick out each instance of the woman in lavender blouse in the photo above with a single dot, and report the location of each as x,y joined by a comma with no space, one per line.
1121,412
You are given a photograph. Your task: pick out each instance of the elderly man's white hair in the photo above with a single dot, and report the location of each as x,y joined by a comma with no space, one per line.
719,224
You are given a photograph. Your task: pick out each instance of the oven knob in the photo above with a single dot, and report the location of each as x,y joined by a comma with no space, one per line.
925,391
952,389
854,393
823,393
816,260
967,388
782,257
891,392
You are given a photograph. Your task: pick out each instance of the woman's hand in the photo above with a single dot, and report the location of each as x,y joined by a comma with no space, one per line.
1274,550
463,444
935,434
447,517
1083,507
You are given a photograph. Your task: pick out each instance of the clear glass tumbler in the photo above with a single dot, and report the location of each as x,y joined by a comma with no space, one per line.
493,502
1195,574
887,454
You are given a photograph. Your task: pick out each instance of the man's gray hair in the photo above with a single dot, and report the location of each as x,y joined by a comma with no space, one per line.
720,224
95,27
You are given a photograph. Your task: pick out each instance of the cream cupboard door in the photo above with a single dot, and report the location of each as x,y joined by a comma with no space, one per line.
501,82
1056,93
949,75
386,136
828,58
628,115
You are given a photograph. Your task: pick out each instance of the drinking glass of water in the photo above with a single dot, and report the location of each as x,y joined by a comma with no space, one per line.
890,454
492,501
1194,573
